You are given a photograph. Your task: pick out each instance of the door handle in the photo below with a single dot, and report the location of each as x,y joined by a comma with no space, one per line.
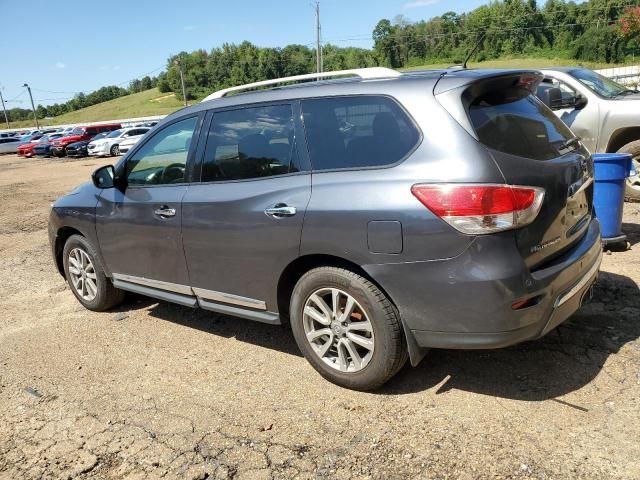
280,210
165,212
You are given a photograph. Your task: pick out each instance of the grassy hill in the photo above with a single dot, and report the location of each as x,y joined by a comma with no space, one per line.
143,104
152,102
522,63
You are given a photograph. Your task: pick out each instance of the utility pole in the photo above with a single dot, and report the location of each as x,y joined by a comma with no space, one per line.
318,45
184,92
33,107
4,109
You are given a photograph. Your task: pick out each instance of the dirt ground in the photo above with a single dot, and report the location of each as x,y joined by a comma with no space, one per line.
157,390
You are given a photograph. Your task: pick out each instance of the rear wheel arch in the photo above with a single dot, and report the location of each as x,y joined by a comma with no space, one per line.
301,265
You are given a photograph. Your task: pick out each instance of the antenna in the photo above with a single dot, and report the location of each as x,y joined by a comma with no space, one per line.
473,50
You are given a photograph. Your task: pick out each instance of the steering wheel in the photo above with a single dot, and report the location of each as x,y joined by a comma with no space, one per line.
172,172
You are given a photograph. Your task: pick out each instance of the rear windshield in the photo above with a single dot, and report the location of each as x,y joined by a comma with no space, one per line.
514,121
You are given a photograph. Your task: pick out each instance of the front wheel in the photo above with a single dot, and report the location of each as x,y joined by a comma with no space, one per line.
115,150
632,187
86,277
347,328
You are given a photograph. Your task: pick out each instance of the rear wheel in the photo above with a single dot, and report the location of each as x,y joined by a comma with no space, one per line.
347,328
115,150
86,277
632,188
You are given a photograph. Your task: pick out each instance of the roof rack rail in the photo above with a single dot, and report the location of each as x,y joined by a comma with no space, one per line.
363,73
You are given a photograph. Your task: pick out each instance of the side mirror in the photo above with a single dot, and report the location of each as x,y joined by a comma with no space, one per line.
580,102
551,97
104,177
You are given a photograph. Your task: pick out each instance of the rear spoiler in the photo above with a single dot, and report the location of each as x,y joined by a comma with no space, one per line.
456,78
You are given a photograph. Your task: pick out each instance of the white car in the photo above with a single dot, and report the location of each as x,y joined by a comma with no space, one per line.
110,145
127,144
9,144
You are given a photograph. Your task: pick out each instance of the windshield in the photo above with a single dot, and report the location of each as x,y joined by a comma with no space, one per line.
114,134
77,131
599,84
99,136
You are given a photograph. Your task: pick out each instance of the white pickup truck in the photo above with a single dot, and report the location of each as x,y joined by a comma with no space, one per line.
603,113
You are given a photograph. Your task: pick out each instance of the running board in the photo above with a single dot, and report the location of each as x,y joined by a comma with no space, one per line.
178,298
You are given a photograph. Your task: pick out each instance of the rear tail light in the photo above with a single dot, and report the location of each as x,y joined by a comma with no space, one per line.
477,209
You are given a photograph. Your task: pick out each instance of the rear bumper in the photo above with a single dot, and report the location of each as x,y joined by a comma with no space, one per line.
465,302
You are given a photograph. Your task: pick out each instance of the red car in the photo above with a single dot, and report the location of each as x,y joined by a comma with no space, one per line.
26,149
79,134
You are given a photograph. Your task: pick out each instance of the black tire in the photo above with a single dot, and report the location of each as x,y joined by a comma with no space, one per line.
390,350
107,296
115,150
632,187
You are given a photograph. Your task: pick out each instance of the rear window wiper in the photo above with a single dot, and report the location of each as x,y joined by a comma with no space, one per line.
569,143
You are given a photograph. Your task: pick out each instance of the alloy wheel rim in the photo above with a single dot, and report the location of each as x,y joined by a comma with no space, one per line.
83,274
338,330
634,182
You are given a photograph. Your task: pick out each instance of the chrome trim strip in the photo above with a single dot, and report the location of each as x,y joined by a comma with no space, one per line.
263,316
565,297
171,287
229,298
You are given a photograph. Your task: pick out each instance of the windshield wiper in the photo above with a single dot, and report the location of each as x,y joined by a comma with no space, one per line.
625,92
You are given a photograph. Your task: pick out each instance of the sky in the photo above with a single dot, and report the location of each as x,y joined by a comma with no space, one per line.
60,48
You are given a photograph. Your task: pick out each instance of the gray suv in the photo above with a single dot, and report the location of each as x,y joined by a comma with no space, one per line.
378,214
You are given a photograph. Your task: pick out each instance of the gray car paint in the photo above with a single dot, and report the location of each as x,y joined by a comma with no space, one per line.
451,289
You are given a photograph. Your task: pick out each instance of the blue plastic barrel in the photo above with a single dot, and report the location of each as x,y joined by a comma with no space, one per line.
611,171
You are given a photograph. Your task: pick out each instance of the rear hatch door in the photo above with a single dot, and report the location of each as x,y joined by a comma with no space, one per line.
532,147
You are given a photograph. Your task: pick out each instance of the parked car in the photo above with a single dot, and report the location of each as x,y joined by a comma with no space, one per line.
79,149
26,149
605,114
9,145
30,133
110,145
455,211
128,143
43,147
29,138
78,134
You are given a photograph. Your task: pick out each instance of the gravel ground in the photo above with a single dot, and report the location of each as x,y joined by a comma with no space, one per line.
157,390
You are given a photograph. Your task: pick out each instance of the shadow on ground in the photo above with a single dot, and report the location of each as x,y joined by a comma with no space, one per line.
565,360
632,230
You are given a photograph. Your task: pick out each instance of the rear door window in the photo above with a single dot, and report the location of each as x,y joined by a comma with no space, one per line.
514,121
249,143
357,131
